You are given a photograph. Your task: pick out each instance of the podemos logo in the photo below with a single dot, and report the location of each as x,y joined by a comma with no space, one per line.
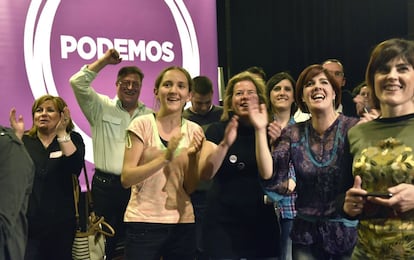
87,48
61,36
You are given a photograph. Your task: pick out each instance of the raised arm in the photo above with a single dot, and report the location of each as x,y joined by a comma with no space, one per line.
258,117
88,99
111,56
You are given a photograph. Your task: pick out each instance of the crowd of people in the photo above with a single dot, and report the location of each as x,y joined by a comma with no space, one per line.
285,169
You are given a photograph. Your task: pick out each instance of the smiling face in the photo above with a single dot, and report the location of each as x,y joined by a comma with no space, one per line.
318,94
244,91
281,96
173,91
128,90
394,86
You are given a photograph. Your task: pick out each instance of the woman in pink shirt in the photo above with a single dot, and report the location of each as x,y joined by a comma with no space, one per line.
159,165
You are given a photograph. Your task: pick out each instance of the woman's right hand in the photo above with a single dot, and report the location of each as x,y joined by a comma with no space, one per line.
274,130
16,124
230,133
172,146
354,199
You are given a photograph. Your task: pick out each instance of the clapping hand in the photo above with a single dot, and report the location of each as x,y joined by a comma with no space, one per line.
274,130
16,124
257,113
196,142
172,146
63,122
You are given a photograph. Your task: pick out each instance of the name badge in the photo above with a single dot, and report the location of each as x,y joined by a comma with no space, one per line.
56,154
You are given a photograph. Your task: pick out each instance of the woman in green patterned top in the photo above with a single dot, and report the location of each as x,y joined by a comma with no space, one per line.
383,158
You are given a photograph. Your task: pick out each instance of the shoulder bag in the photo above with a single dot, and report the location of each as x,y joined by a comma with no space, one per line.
89,243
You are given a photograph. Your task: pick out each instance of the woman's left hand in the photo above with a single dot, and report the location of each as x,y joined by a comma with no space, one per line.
63,122
196,142
257,113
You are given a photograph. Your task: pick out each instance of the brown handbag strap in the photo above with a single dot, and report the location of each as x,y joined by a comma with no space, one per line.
97,222
75,184
76,194
88,189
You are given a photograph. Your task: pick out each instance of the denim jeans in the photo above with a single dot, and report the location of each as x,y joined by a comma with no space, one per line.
151,241
286,242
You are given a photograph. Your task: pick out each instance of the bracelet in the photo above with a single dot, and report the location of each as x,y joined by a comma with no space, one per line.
64,139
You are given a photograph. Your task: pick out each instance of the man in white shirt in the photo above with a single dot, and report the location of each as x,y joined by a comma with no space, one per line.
109,119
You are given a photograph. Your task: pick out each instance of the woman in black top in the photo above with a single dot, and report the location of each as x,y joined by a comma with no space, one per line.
57,153
238,224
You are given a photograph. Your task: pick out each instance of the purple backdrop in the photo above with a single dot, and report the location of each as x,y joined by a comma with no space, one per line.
44,42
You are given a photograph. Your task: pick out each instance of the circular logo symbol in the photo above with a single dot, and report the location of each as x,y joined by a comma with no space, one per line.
60,36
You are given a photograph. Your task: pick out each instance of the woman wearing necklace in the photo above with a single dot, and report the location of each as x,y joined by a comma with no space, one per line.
160,167
319,152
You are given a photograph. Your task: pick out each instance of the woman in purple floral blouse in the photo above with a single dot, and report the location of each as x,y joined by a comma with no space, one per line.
319,151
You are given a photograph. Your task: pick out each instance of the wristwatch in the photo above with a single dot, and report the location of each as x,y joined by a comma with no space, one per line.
64,139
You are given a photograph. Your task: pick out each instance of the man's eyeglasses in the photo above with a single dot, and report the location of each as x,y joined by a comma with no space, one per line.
126,83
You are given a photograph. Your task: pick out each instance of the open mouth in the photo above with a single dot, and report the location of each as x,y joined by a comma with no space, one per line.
318,96
173,99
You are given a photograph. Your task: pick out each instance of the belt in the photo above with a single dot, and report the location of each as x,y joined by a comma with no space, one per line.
107,175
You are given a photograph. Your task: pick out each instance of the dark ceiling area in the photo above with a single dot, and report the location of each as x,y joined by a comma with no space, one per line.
288,35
